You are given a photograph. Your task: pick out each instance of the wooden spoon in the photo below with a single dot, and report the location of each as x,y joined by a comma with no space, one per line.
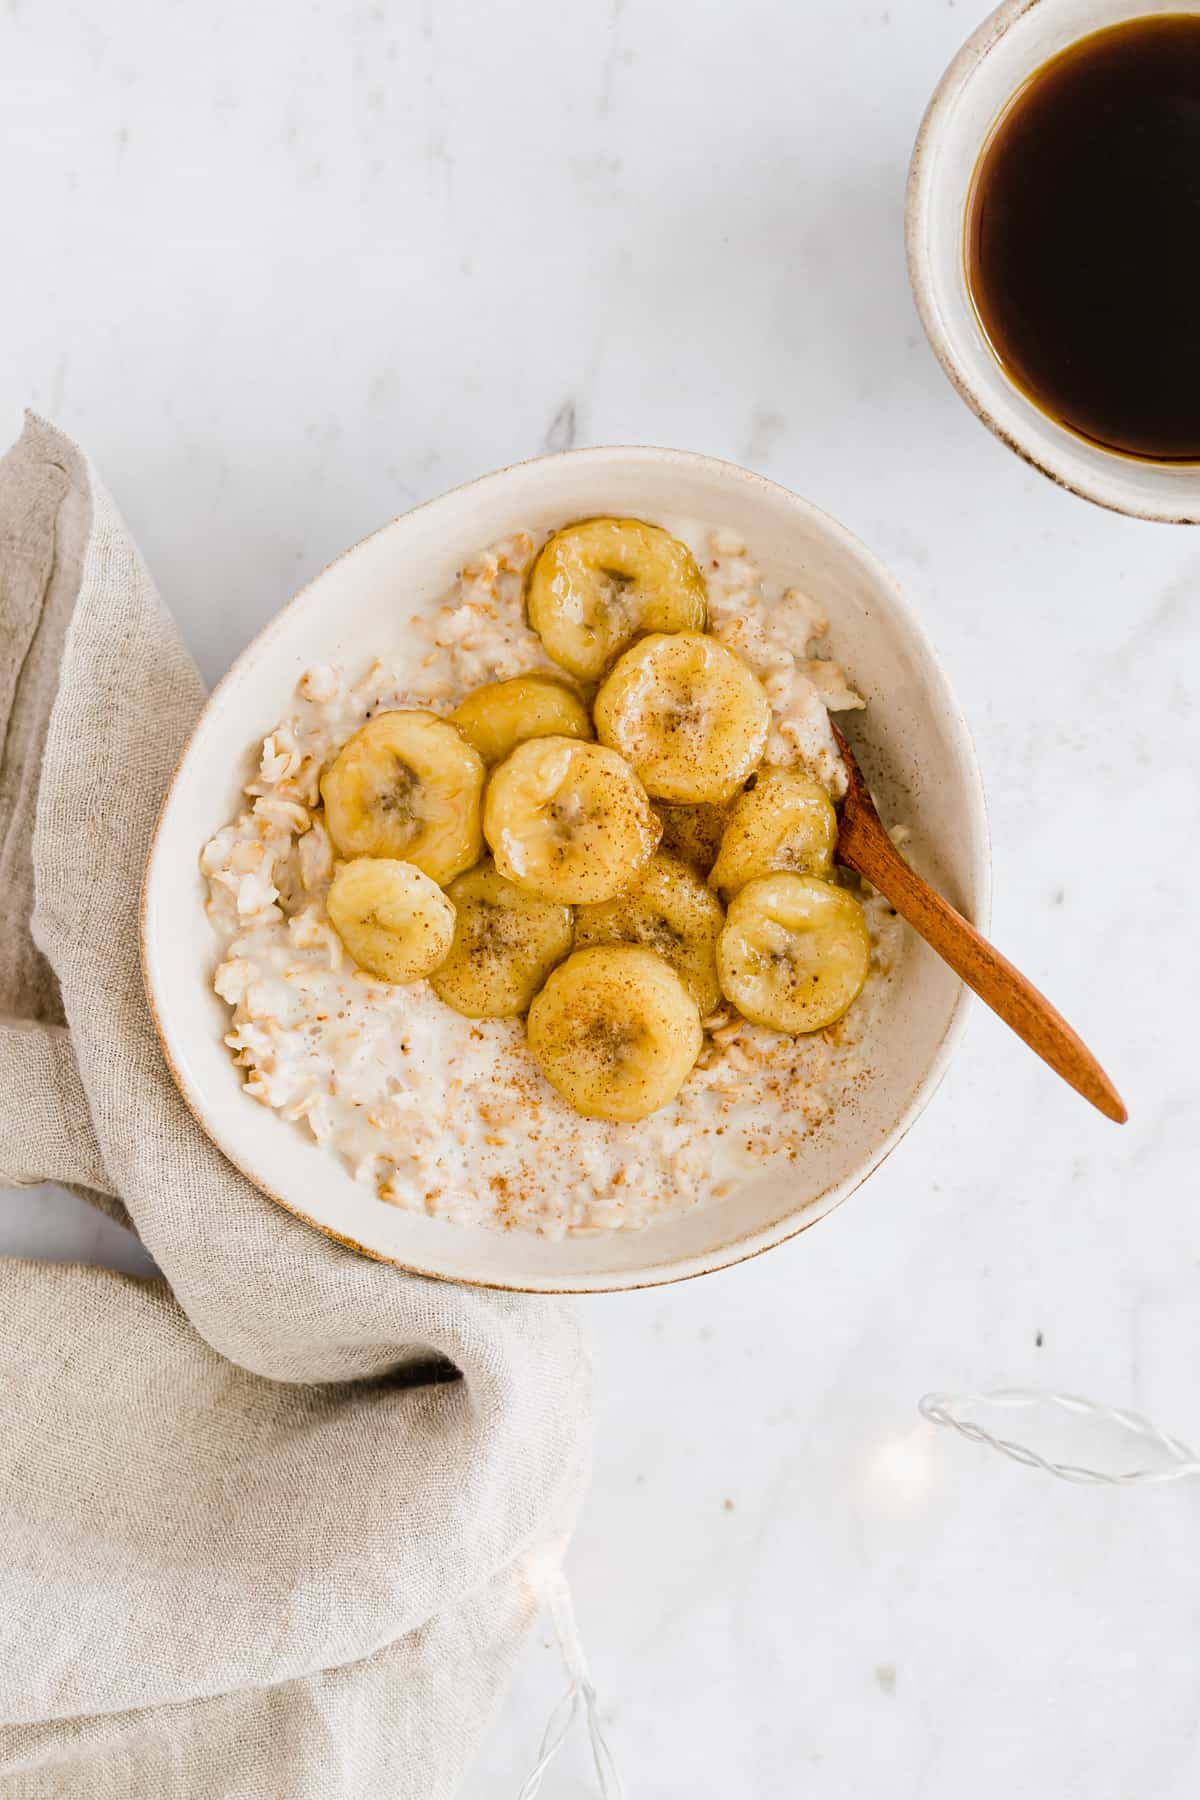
864,845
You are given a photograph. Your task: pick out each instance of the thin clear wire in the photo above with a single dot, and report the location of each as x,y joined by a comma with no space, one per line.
939,1409
556,1734
1182,1464
580,1695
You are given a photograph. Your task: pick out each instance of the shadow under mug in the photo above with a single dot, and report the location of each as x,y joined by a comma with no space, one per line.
1009,47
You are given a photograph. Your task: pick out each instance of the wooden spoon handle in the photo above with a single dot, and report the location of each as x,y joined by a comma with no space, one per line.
989,974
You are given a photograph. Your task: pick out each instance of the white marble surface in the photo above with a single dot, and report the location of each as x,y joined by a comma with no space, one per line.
286,270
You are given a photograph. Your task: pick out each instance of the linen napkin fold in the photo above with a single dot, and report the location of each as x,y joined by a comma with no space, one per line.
275,1525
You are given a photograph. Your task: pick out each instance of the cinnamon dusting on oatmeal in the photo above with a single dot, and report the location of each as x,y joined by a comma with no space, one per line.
450,1117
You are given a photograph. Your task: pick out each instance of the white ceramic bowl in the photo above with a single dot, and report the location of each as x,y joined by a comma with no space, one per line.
914,745
1010,45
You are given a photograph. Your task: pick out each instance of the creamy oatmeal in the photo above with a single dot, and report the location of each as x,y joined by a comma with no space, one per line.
449,1115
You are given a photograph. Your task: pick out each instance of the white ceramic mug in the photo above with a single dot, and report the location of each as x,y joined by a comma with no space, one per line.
1010,46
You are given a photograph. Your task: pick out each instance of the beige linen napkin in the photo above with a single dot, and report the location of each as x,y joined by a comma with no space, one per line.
271,1527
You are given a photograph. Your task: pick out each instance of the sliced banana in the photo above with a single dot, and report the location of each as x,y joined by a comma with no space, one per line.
693,832
568,821
393,919
407,785
595,585
689,715
505,945
498,717
783,821
615,1031
794,953
671,912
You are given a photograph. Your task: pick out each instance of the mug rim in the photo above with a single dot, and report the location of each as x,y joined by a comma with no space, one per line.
921,198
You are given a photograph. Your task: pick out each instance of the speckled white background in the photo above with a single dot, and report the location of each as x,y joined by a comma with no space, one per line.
287,269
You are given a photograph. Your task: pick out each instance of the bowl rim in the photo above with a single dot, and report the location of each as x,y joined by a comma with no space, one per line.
748,1245
918,206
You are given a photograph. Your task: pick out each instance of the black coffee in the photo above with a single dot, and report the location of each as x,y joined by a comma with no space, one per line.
1083,238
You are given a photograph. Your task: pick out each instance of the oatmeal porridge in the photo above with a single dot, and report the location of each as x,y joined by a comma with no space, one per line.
609,971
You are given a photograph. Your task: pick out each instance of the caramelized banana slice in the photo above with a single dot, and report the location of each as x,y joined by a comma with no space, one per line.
671,912
568,821
407,785
693,832
498,717
615,1031
595,585
689,715
505,945
395,922
794,952
783,821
